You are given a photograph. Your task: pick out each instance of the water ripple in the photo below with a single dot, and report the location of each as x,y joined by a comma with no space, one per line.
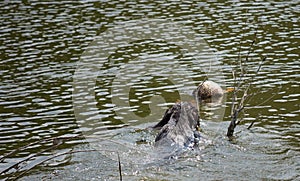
41,44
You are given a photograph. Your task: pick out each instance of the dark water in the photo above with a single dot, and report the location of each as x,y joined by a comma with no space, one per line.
99,73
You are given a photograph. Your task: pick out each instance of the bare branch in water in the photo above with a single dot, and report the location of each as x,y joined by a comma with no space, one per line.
237,107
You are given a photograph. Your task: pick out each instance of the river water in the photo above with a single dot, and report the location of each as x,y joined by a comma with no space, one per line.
85,79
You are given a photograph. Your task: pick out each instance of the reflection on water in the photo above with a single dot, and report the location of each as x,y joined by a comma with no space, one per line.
41,46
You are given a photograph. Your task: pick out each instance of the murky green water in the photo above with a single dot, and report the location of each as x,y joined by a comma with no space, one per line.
104,71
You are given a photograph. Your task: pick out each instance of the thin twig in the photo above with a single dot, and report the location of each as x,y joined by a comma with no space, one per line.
55,156
28,158
120,167
234,93
34,143
55,141
50,158
199,102
251,124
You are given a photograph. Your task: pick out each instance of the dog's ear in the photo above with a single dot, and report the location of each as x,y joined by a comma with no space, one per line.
167,116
